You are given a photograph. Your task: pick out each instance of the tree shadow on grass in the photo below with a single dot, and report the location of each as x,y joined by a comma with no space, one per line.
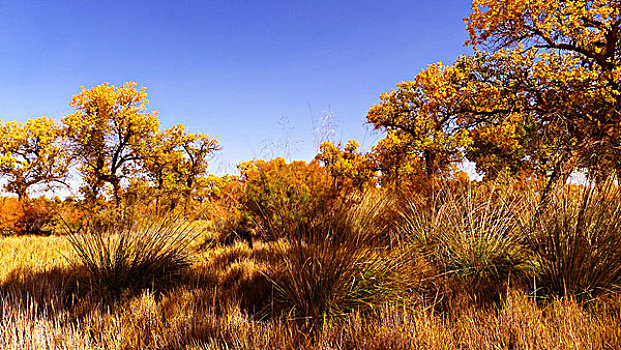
51,292
72,291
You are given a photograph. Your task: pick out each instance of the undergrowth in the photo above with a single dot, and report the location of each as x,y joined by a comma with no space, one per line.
457,270
130,254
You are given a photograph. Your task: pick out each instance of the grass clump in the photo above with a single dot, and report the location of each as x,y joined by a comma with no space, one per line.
130,254
333,265
576,242
472,236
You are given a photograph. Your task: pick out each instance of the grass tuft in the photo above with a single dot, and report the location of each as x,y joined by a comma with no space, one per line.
333,265
129,254
472,236
575,240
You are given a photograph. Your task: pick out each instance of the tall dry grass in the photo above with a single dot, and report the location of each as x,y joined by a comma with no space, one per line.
473,236
338,273
182,320
576,239
129,254
334,266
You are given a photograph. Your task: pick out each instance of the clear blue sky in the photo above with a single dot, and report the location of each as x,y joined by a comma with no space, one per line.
231,69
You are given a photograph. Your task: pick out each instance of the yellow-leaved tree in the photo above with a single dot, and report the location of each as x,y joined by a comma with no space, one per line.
348,166
176,161
543,99
569,58
107,133
422,138
32,153
570,54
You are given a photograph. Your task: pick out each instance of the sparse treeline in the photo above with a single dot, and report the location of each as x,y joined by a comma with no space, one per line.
541,101
116,144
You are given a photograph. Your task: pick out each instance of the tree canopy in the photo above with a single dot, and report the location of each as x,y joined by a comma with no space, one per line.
542,99
32,153
108,131
175,161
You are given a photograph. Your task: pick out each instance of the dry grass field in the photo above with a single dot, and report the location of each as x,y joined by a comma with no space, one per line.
288,294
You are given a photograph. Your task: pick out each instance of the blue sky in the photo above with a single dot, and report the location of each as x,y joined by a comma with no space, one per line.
253,73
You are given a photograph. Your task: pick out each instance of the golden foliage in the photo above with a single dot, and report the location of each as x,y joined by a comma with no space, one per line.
545,100
276,192
349,167
418,119
571,54
176,162
32,153
108,131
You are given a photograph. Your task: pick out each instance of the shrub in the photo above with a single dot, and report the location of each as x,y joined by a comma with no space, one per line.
70,216
32,217
128,254
575,239
276,193
472,235
9,215
223,213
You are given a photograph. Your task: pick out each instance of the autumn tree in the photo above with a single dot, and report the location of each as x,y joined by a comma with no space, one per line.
108,132
471,109
158,161
504,127
574,72
418,117
197,149
544,98
176,161
32,153
396,161
348,166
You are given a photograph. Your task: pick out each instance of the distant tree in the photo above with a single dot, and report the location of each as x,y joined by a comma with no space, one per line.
32,153
107,132
159,158
348,166
176,160
197,149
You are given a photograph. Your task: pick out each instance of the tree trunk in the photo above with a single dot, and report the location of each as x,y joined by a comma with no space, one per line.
188,193
562,170
22,194
160,193
430,158
116,188
91,196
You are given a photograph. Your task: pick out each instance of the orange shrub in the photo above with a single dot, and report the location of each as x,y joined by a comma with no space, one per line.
28,217
275,192
10,209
